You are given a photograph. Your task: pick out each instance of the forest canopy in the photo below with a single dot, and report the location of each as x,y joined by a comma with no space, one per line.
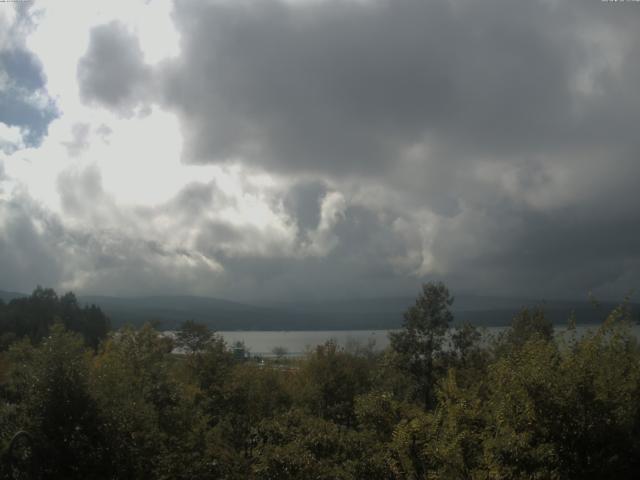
33,316
442,402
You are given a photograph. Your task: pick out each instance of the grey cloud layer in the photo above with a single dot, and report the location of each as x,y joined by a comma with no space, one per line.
182,246
492,144
347,87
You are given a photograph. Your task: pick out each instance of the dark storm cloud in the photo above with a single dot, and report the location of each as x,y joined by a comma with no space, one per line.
490,144
366,241
118,251
345,86
24,101
305,87
515,123
360,266
302,202
541,255
112,73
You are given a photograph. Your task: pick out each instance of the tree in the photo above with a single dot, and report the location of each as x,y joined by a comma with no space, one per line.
529,324
193,337
279,352
421,339
50,387
146,414
240,351
299,446
33,316
330,381
466,354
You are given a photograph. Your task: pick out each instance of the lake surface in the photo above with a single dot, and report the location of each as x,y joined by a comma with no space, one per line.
297,343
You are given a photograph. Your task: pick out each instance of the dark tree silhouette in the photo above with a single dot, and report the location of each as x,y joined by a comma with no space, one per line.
421,339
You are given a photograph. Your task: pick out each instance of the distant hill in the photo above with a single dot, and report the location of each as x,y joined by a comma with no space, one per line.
499,311
378,313
170,311
8,296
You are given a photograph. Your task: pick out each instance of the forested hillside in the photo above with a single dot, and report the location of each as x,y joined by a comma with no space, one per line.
526,404
170,311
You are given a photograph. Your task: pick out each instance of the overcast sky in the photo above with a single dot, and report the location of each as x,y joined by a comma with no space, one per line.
287,149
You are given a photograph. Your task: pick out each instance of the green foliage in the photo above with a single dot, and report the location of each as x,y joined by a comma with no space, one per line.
208,372
33,316
301,446
133,390
420,342
251,394
567,413
529,324
193,337
279,352
530,405
48,388
465,344
380,412
330,379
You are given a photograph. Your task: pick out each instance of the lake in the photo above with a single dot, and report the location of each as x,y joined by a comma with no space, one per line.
298,342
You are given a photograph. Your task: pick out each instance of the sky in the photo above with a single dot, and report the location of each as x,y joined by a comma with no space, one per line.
320,149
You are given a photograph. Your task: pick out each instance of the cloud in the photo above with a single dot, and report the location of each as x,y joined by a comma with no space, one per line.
24,101
10,139
80,139
81,191
92,253
28,243
3,176
196,200
104,131
346,87
348,148
503,122
303,203
112,73
197,242
540,255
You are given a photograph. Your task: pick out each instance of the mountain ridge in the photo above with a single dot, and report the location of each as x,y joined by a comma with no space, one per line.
169,311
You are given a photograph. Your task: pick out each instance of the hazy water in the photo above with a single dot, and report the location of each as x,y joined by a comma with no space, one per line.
298,342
